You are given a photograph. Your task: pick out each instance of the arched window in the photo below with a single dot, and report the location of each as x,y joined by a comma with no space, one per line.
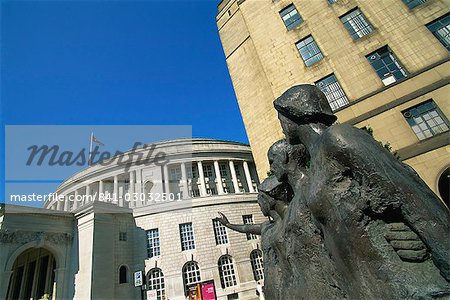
226,271
123,274
191,274
156,282
148,187
257,264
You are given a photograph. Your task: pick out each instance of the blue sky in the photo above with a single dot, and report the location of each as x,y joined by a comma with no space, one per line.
116,62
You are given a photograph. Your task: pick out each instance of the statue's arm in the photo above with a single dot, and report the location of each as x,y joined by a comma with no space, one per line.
243,228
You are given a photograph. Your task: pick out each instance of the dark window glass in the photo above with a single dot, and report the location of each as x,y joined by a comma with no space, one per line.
187,237
256,260
156,282
191,274
413,3
309,51
356,24
123,276
153,246
426,120
333,91
226,271
386,65
291,17
441,30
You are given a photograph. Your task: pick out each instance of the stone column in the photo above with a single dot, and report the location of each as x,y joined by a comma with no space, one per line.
59,279
201,176
218,178
88,193
184,180
166,179
66,203
138,189
5,277
131,189
248,177
116,198
59,204
233,177
101,190
75,200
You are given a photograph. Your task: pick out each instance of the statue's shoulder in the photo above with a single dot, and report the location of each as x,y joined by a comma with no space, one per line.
345,135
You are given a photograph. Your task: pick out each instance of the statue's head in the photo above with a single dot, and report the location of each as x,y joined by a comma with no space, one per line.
285,158
303,104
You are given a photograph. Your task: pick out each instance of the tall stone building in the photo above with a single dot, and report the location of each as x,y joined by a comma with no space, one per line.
382,64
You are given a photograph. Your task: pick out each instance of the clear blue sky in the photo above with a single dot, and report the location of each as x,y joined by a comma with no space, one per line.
115,62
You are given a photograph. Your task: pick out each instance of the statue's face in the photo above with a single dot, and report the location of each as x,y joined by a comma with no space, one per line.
290,130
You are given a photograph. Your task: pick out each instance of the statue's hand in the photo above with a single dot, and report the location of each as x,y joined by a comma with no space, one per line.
223,219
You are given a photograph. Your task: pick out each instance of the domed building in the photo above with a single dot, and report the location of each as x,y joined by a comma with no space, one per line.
134,213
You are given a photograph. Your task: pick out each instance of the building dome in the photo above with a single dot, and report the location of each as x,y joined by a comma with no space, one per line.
134,212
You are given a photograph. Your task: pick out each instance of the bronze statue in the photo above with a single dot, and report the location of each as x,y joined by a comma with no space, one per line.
347,218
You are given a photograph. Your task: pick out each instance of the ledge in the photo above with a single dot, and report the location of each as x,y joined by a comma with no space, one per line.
430,144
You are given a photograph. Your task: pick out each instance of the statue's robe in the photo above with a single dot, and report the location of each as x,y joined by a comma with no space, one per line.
356,188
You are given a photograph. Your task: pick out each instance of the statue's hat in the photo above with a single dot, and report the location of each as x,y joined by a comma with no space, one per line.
305,104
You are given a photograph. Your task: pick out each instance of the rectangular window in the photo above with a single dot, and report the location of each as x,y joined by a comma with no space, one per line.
291,17
122,236
386,65
153,247
441,30
220,232
193,172
223,170
413,3
356,24
426,120
187,237
248,219
207,171
309,51
175,174
333,91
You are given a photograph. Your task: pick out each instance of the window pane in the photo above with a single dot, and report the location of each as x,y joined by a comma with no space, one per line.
333,91
291,17
413,3
220,233
309,51
441,30
356,24
386,65
256,260
226,271
153,247
426,120
187,237
156,282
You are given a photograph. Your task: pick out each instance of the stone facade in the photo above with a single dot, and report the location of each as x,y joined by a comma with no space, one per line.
263,62
95,243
